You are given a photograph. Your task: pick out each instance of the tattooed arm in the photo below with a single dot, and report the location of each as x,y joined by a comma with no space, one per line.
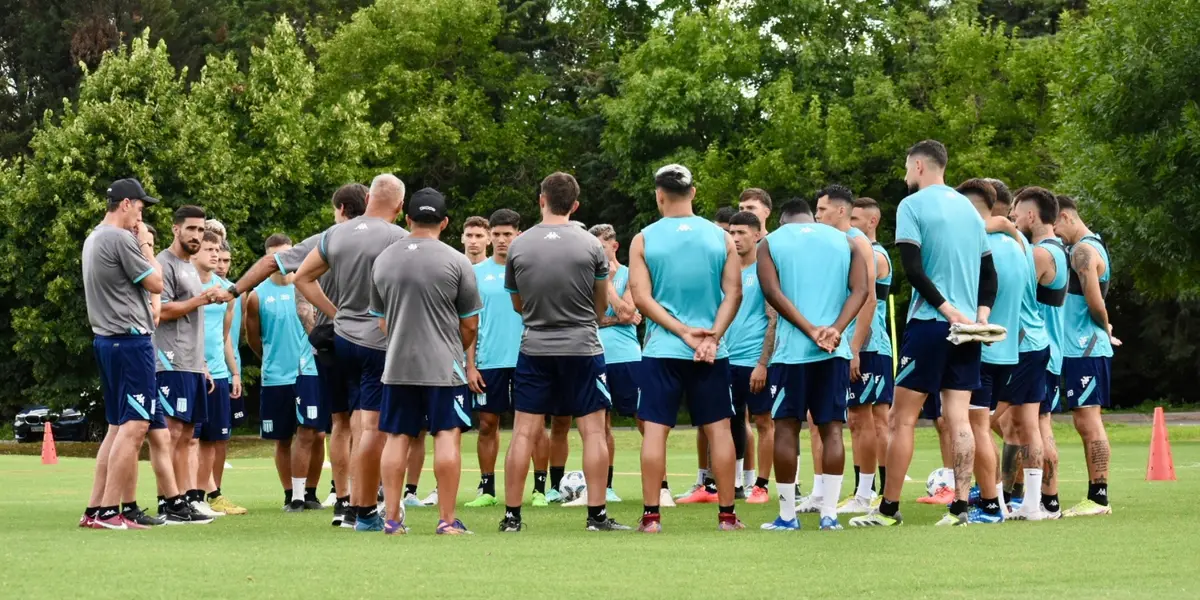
306,312
1088,265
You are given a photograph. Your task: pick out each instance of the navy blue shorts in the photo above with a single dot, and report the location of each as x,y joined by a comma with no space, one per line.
739,381
1086,381
360,368
666,381
311,411
409,409
277,410
875,384
560,385
1052,402
126,365
497,388
237,410
220,417
337,393
818,388
993,385
929,363
624,385
932,409
183,396
1027,385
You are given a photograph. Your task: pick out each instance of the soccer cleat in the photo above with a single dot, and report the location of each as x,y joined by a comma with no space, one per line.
729,522
700,495
979,516
204,509
830,524
340,512
665,499
412,500
973,496
610,496
295,506
952,520
391,527
330,500
758,495
1030,513
350,521
85,521
691,490
605,524
142,519
431,499
539,499
854,505
313,504
553,496
876,519
223,504
739,493
650,524
114,522
511,524
943,496
580,500
455,528
1087,508
184,516
779,524
809,504
131,524
1015,504
371,523
483,500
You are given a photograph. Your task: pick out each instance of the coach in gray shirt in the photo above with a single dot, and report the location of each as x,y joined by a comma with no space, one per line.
557,274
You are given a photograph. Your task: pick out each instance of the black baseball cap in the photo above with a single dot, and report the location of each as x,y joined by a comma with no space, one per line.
427,206
129,188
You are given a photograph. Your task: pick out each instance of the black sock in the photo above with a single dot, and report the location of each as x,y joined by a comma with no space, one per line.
597,513
129,507
710,485
287,496
889,508
725,510
857,473
195,495
650,509
410,489
367,512
1008,496
881,477
761,482
1098,493
664,485
310,493
177,503
539,482
958,507
1050,502
343,502
332,488
512,512
990,506
107,512
610,471
92,511
1018,491
213,495
487,483
162,500
556,475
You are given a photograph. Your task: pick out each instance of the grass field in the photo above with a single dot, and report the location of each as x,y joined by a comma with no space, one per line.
1147,548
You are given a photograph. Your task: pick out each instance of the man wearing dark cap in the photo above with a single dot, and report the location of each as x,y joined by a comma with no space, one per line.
119,274
423,293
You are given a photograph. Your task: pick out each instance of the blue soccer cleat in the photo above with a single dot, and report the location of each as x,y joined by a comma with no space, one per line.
371,523
781,525
977,515
830,524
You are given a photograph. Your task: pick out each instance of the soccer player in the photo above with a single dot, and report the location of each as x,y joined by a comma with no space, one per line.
476,238
1004,198
758,202
876,356
686,279
751,339
237,403
1087,350
423,291
213,435
835,204
492,360
119,274
348,250
943,246
1001,370
817,279
557,274
183,380
724,214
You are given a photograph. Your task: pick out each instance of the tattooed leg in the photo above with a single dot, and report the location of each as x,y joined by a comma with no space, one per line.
1049,457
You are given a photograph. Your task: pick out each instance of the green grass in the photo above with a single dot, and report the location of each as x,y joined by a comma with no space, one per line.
1146,549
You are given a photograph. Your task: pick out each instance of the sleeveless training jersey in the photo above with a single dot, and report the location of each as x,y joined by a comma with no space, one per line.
500,327
1082,336
813,261
880,341
685,257
283,340
1032,336
214,333
620,341
1013,274
1051,299
745,335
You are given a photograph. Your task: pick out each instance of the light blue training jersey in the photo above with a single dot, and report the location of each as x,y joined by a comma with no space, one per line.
749,327
1033,336
500,327
852,233
685,257
1013,274
620,341
880,341
813,262
214,333
1051,300
284,342
1083,337
952,238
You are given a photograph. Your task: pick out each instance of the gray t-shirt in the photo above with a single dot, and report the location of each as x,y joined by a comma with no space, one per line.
350,250
289,261
180,343
113,268
554,268
423,288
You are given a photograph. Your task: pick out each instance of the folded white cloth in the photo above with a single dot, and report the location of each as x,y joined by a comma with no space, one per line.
985,333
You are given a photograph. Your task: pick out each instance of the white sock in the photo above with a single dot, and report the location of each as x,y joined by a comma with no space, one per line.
298,488
1033,486
832,491
818,489
701,475
1000,497
865,483
787,500
738,469
749,477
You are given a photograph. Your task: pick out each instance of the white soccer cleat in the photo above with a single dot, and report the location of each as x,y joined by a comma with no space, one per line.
431,499
206,510
330,500
809,504
580,500
665,500
855,506
1028,513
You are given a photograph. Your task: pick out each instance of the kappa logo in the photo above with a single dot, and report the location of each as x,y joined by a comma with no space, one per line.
904,360
1083,340
866,378
604,378
490,278
270,299
224,431
166,391
139,398
552,236
684,227
807,229
1085,380
170,355
361,227
774,390
459,399
411,247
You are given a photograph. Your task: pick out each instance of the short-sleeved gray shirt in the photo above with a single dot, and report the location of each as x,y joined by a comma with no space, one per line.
350,250
289,261
554,268
180,343
423,288
113,268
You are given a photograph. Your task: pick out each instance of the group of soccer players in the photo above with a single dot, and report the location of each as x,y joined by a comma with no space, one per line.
377,335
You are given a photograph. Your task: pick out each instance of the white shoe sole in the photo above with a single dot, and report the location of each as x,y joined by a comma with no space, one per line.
665,500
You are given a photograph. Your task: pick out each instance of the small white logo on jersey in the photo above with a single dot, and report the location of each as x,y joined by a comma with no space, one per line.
1085,380
411,247
361,227
171,355
807,229
684,227
270,299
490,278
1083,340
749,281
552,236
285,297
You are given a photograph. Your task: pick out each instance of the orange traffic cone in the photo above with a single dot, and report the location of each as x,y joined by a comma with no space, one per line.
49,453
1160,467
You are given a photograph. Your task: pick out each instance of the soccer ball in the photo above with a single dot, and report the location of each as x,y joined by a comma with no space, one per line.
939,478
572,485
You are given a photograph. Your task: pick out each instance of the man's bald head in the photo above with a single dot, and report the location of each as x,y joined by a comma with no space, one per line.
386,196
